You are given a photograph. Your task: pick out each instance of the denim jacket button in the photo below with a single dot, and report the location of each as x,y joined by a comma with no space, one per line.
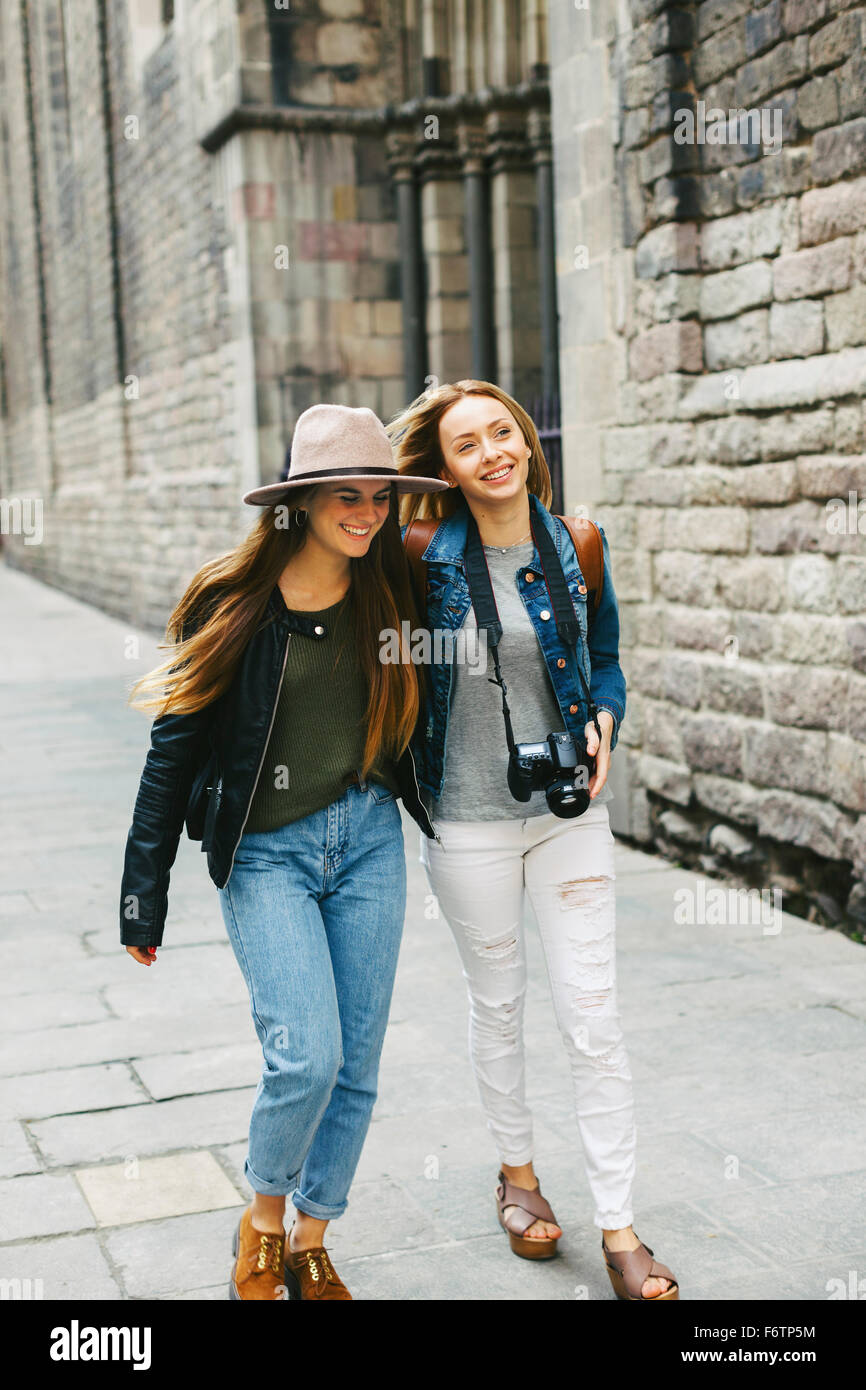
560,662
581,588
572,709
529,576
544,615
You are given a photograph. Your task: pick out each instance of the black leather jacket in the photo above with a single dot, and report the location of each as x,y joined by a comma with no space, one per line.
203,768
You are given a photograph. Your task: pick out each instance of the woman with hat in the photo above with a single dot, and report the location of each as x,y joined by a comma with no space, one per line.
283,740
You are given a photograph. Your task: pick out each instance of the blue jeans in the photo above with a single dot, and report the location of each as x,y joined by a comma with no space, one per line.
314,912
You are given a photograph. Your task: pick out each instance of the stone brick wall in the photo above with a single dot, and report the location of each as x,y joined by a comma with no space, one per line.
176,286
713,373
199,239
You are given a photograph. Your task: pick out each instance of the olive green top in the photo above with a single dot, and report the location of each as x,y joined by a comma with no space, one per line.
318,732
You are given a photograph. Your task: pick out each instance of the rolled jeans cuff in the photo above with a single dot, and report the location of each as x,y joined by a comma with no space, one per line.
614,1220
269,1189
316,1209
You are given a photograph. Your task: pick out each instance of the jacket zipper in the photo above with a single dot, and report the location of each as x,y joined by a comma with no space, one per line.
420,802
261,759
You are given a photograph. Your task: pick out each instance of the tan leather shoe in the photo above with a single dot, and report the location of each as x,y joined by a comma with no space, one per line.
313,1274
258,1273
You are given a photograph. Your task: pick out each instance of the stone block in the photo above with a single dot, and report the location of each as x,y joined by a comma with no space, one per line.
751,581
786,434
668,347
846,769
812,583
805,697
827,213
839,152
738,342
723,529
807,822
832,476
832,43
784,758
670,780
42,1205
671,247
818,103
172,1185
851,584
797,328
731,291
814,270
729,797
730,687
713,744
845,317
687,577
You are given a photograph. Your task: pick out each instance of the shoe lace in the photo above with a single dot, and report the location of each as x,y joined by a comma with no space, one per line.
270,1253
314,1259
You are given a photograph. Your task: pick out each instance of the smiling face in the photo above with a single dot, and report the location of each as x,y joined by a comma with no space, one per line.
344,517
484,449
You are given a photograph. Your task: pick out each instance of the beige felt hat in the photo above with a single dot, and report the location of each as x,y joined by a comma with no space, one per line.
336,443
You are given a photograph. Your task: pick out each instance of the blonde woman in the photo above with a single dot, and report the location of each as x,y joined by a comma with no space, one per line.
281,719
561,670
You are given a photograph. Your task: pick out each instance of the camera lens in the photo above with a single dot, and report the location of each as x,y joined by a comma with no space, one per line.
564,799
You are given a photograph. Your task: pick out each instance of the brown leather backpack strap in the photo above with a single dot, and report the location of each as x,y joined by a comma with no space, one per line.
590,556
419,534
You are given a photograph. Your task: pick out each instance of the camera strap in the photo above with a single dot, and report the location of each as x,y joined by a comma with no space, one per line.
487,613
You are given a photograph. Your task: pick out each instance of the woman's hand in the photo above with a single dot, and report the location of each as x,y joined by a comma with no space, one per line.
145,955
600,751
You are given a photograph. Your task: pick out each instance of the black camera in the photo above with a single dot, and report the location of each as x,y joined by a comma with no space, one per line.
552,767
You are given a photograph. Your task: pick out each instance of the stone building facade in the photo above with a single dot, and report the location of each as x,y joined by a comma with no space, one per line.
712,291
215,212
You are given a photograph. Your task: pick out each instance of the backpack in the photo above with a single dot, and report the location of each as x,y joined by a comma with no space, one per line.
584,534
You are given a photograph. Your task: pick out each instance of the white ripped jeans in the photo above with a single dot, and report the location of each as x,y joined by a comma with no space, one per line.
567,868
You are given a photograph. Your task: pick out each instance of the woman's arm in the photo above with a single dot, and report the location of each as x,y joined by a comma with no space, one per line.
178,744
607,682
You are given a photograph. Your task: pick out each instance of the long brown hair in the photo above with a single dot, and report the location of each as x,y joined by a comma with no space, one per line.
227,598
414,434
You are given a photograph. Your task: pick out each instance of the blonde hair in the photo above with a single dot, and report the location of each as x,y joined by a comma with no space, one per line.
414,434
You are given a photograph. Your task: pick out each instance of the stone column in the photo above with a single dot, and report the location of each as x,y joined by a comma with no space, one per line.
515,256
472,144
400,147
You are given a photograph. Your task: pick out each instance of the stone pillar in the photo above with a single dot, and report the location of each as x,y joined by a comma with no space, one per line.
472,144
446,258
401,148
515,255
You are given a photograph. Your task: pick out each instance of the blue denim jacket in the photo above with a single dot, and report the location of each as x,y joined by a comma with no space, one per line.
448,602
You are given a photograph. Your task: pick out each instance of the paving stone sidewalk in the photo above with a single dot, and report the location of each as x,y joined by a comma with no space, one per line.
125,1094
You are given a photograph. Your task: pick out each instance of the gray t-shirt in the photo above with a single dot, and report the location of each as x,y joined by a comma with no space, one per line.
476,751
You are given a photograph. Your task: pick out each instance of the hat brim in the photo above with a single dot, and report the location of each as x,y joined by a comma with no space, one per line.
273,493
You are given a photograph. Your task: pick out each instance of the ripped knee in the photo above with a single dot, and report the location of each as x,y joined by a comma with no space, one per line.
499,952
581,892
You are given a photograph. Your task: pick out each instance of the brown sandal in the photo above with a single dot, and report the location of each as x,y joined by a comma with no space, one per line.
631,1268
532,1207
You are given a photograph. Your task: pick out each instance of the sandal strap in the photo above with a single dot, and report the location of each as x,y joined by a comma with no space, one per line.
531,1206
636,1266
